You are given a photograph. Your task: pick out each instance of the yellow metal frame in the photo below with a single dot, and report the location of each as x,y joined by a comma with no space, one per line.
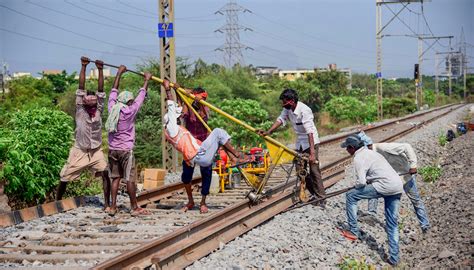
251,172
279,153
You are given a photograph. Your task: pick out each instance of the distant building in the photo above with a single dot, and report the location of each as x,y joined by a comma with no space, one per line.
21,74
52,72
94,73
345,71
292,75
265,72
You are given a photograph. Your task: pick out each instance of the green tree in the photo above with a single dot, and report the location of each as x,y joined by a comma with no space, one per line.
331,83
61,81
26,93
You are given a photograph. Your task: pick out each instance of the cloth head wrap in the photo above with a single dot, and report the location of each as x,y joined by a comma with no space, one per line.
114,114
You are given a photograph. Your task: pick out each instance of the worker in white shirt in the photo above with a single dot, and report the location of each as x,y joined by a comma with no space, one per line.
375,178
301,118
402,158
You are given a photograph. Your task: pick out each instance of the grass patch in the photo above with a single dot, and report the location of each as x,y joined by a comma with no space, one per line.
442,139
359,264
401,223
430,173
86,185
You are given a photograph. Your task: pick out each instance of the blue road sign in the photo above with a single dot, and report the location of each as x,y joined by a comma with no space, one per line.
378,74
165,30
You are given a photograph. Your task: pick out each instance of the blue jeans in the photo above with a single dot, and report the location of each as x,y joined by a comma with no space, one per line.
412,192
392,204
206,174
209,147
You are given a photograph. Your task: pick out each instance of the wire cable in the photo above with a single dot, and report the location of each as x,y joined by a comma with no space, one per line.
155,17
66,45
108,18
72,32
83,19
133,7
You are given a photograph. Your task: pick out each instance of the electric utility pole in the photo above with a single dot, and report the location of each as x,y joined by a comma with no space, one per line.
462,49
449,68
167,71
232,47
379,28
421,53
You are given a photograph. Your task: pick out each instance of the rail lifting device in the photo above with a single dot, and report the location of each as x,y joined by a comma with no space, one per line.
279,153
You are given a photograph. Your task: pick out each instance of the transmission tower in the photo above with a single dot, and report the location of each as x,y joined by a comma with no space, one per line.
232,47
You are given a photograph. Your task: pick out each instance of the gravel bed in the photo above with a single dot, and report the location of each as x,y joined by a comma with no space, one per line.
307,238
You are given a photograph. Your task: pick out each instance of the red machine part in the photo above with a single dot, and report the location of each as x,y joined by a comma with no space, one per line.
223,158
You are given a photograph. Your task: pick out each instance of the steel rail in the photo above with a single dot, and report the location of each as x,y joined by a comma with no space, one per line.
182,247
154,195
404,118
166,191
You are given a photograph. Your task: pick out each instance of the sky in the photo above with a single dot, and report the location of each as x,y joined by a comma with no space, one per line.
38,35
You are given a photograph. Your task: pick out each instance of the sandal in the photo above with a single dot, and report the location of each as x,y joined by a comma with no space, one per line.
187,207
112,211
140,212
348,235
203,209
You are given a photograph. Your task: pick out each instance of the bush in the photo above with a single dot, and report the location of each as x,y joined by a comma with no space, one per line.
350,108
430,173
246,110
37,143
395,107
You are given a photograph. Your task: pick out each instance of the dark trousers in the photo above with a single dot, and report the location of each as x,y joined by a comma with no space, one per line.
206,174
314,180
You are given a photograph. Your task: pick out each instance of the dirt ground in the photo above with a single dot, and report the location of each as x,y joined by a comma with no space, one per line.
449,201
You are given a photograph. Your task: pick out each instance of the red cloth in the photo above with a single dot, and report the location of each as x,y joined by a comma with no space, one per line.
223,160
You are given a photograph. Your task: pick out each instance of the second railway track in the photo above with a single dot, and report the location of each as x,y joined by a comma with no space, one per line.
86,237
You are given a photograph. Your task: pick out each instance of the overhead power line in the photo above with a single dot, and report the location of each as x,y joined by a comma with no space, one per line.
190,19
108,18
72,32
120,11
135,8
85,19
67,45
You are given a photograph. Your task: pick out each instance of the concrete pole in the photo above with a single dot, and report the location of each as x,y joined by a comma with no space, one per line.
378,40
167,71
449,74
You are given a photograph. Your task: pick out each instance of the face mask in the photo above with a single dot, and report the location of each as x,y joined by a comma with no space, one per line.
91,110
288,105
202,95
196,106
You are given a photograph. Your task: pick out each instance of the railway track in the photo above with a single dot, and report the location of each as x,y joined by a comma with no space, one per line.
87,237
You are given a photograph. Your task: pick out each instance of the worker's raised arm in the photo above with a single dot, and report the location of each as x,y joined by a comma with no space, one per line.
166,85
